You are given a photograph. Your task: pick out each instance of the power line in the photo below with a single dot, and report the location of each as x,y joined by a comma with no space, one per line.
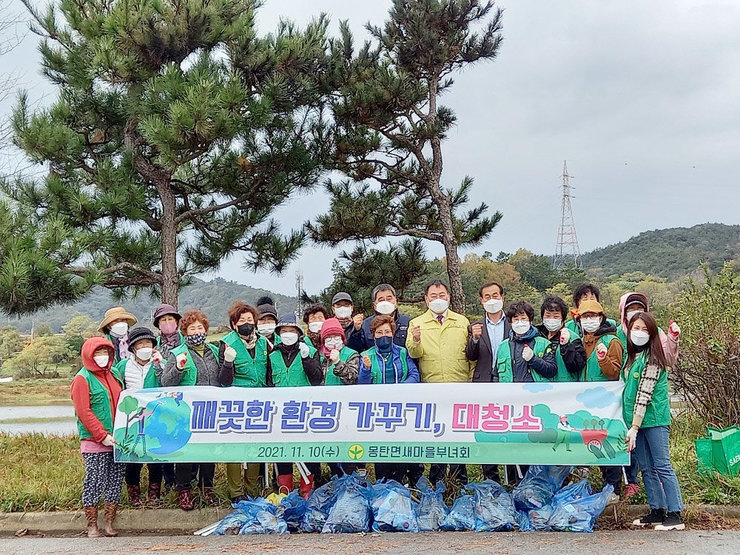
566,248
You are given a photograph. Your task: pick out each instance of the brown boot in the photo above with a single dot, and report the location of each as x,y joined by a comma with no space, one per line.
134,496
154,493
92,521
110,516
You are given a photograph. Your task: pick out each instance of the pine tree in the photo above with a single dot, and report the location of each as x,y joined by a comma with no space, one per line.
389,129
176,133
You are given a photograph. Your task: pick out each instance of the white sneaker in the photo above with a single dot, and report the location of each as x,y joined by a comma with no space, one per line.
613,499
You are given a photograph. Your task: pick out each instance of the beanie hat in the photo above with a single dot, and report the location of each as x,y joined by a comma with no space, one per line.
137,334
636,298
267,309
332,327
590,306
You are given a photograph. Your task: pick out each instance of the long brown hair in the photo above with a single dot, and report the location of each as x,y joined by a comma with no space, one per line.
654,345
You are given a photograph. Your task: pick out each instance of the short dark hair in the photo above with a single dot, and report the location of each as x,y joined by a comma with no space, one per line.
238,308
581,290
488,284
313,309
436,283
554,303
520,307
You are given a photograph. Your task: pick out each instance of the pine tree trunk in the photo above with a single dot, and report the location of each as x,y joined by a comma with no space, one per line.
457,295
168,236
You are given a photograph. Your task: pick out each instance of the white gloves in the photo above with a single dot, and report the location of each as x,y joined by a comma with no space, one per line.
334,356
674,330
157,357
181,360
564,336
631,439
601,351
303,348
229,354
109,441
527,353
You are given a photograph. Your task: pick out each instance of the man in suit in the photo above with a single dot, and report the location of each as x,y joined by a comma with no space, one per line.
484,337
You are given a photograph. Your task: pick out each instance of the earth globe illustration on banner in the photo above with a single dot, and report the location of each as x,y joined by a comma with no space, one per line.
167,427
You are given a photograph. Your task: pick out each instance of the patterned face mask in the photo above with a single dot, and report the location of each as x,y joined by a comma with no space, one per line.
196,340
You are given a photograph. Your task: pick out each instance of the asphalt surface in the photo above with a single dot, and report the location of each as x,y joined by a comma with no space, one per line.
688,541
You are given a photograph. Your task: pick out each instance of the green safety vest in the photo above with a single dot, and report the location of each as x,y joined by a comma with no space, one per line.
563,375
100,402
248,371
377,372
505,366
190,372
331,378
150,380
291,376
658,411
593,370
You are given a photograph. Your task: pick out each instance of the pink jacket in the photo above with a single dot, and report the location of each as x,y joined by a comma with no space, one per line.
670,343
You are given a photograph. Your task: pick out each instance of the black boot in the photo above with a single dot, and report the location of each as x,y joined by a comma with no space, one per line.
655,516
672,521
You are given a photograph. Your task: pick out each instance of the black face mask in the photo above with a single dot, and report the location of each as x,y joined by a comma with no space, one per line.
245,330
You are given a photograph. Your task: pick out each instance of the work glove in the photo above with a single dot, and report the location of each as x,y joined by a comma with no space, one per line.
564,336
303,348
527,353
601,351
109,441
181,360
229,354
674,330
631,439
157,357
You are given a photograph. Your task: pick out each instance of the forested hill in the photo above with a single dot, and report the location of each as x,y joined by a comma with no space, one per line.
212,297
669,253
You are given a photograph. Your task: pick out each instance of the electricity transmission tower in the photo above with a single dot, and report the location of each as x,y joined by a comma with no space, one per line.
566,249
299,294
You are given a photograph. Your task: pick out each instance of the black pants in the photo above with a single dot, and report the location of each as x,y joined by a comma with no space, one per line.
613,476
168,473
399,472
184,474
133,473
438,471
491,472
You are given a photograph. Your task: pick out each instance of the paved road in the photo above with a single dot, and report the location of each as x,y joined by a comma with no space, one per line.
689,541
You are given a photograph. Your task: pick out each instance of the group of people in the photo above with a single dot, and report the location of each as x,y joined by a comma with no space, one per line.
339,346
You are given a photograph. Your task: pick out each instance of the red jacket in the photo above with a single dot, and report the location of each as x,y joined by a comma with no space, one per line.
81,392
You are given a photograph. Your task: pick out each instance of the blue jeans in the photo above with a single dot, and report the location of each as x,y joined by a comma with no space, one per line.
661,484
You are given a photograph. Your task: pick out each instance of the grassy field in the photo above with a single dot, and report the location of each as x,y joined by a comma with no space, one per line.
36,392
39,473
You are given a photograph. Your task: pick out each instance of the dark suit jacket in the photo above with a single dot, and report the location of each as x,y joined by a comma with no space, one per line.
482,352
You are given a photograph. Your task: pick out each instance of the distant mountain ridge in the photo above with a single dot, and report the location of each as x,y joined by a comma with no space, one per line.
212,297
669,253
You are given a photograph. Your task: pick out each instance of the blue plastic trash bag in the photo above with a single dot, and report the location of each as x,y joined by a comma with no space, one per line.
494,508
257,516
392,508
431,510
232,523
351,511
522,520
295,508
539,518
320,503
539,485
462,515
580,515
572,492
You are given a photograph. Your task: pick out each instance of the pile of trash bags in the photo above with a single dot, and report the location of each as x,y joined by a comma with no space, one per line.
352,504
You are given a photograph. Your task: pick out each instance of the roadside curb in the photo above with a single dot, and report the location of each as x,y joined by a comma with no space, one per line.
178,521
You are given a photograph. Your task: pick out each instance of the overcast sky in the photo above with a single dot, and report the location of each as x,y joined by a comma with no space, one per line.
640,98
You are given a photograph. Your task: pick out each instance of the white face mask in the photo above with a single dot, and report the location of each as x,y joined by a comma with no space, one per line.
266,329
315,327
438,306
289,338
552,324
590,325
521,327
385,307
101,360
119,328
145,353
334,343
492,306
343,312
639,337
630,314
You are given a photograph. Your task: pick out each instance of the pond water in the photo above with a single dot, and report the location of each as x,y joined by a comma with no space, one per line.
62,419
